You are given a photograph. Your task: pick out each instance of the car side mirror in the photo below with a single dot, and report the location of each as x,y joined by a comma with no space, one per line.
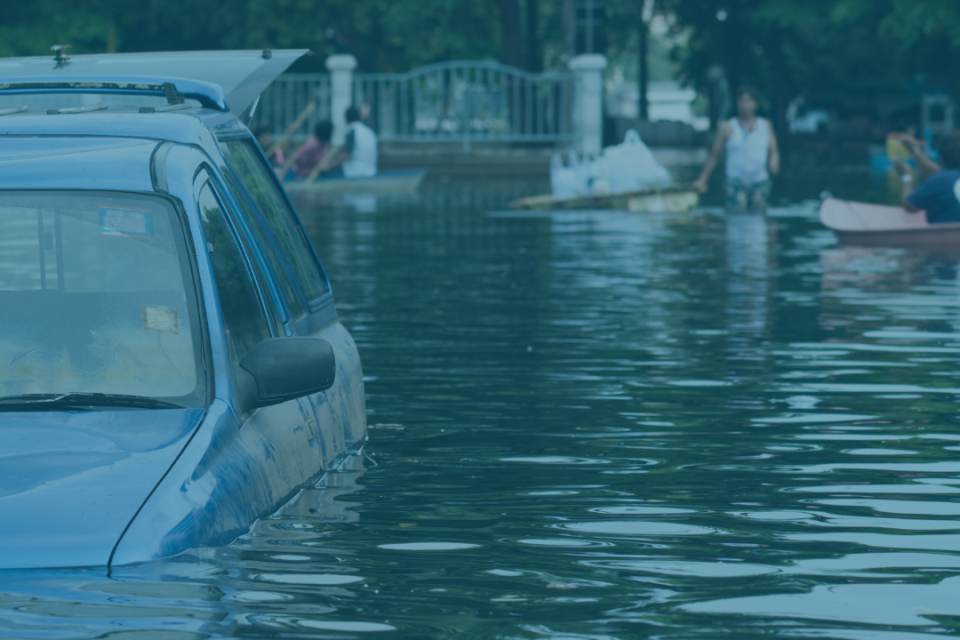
290,368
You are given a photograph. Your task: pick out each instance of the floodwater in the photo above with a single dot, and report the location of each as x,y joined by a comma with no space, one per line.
597,425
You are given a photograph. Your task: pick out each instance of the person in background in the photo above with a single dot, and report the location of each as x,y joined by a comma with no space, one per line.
312,152
939,193
357,158
752,156
265,139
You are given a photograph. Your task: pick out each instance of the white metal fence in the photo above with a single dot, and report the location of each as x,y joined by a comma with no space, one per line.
462,102
287,97
468,101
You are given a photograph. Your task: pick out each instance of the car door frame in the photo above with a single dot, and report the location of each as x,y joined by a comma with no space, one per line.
234,468
320,321
321,311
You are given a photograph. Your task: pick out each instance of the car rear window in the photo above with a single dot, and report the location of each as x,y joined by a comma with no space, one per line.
264,189
97,296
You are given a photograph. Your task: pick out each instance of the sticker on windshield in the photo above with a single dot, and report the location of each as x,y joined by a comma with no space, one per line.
130,223
160,319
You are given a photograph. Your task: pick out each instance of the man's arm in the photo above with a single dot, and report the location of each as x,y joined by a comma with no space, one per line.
906,186
773,163
290,162
723,134
925,164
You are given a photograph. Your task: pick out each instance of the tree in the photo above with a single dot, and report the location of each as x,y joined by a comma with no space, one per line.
792,46
386,35
511,33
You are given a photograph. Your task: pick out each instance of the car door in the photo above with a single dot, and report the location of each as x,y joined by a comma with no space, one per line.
305,291
282,438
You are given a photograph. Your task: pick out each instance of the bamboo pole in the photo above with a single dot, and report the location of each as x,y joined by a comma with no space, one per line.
293,127
323,164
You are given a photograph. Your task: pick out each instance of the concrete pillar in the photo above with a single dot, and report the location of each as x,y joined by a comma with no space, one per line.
588,102
341,92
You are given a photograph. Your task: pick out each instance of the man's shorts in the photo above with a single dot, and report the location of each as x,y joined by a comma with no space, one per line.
748,197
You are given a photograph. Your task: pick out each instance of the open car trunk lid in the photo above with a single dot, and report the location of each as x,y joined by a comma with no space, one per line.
243,75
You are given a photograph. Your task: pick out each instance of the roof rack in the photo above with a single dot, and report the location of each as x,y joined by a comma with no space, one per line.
10,112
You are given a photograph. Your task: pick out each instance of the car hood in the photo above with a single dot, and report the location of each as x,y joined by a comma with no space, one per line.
70,482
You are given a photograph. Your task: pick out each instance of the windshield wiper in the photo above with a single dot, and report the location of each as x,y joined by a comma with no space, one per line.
80,400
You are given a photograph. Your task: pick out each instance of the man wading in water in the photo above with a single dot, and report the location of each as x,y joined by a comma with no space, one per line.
752,156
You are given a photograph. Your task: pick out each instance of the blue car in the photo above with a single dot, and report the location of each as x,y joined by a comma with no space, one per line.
172,366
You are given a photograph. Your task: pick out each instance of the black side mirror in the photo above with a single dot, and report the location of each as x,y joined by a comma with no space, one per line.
289,368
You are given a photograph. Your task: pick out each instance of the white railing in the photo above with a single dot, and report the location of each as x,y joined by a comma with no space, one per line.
466,102
462,102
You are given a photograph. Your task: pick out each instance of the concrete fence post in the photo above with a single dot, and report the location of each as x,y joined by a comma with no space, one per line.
588,102
341,92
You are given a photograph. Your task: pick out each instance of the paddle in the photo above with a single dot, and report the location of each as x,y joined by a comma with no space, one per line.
293,127
322,165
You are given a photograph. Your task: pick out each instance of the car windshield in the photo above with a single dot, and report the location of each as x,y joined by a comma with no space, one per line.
96,296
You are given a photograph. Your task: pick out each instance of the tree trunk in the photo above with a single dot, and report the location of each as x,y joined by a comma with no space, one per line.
534,45
511,33
643,79
569,29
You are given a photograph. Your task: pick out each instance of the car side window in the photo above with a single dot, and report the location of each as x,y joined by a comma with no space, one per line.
243,319
286,286
281,219
273,314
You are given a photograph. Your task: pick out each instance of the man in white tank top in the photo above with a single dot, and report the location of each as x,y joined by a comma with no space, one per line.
752,156
357,156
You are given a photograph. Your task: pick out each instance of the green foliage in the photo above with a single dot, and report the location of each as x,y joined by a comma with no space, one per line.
803,44
386,35
785,45
914,21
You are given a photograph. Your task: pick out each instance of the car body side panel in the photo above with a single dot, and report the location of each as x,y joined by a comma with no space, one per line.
340,412
235,471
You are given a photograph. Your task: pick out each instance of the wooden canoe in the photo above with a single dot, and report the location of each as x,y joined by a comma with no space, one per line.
396,181
668,199
879,225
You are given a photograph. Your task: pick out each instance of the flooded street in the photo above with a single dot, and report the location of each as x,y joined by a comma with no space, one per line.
597,425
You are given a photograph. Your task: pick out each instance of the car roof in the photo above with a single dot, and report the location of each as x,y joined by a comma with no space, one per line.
102,149
60,148
42,162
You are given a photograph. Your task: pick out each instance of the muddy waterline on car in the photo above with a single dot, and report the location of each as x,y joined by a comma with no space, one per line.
596,425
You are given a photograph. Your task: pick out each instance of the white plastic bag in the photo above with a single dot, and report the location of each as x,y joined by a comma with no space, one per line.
630,166
584,175
621,176
598,177
576,165
563,180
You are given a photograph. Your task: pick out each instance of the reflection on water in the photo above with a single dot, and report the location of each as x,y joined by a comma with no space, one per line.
598,425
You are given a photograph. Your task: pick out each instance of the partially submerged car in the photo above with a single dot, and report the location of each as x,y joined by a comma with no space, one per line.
172,366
